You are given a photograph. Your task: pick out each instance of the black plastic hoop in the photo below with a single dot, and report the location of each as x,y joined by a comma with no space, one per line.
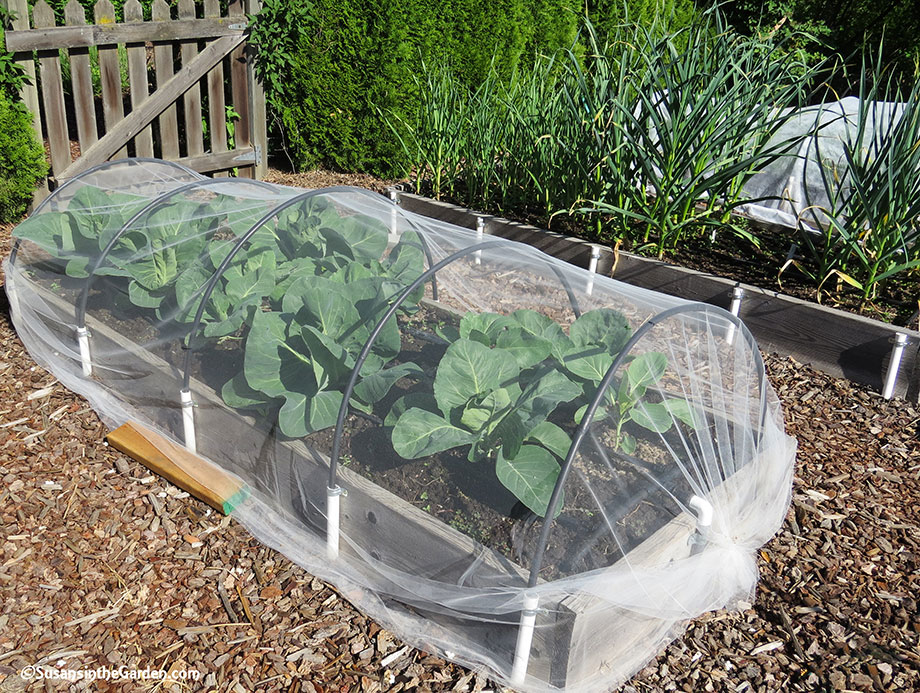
154,204
587,419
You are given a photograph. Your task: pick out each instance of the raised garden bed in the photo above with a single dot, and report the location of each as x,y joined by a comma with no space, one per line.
833,341
607,558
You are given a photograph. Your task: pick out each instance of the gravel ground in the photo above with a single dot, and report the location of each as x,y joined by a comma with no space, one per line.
103,564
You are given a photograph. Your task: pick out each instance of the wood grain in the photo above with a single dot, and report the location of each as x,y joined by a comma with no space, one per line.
113,108
217,114
82,81
137,78
164,62
191,99
127,32
49,63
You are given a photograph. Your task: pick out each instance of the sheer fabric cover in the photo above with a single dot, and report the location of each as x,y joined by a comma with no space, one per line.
791,191
462,416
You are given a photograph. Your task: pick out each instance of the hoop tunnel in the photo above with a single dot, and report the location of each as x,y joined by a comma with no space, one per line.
558,569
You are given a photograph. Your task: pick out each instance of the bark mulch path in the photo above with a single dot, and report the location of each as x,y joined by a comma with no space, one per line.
103,564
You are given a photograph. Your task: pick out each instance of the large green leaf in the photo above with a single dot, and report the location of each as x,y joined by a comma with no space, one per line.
375,387
530,476
50,231
468,369
272,363
304,414
589,362
646,369
527,349
419,433
541,326
483,413
237,393
601,327
358,237
542,395
553,438
252,279
332,364
321,303
684,411
489,324
652,416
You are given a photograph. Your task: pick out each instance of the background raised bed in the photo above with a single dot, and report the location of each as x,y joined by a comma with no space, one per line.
835,342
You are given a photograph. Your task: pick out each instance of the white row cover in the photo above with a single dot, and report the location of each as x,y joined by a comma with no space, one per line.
477,508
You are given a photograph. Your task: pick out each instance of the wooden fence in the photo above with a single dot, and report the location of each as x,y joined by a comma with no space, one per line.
138,88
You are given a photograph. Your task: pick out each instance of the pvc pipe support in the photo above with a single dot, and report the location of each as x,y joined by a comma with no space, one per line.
394,216
480,230
592,268
83,342
524,639
188,420
704,512
899,342
734,309
333,507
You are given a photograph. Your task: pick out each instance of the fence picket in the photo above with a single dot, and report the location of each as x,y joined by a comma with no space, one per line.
192,98
137,77
113,108
217,114
163,59
258,118
82,81
52,93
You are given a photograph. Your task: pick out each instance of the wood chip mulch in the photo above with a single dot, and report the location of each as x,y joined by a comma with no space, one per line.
103,564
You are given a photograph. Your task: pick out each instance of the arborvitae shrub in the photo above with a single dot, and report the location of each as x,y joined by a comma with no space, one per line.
22,160
349,62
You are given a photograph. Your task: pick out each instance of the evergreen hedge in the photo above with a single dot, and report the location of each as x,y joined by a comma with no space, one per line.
332,68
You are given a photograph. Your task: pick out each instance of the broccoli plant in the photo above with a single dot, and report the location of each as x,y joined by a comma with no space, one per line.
304,341
494,389
77,236
501,380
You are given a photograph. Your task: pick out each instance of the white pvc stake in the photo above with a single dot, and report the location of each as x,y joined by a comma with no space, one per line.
592,268
480,230
332,520
524,639
704,513
394,217
735,309
899,342
83,342
188,420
